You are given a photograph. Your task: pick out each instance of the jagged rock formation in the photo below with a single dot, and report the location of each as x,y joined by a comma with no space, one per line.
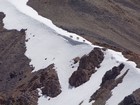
18,86
86,68
112,74
109,82
45,79
50,82
14,67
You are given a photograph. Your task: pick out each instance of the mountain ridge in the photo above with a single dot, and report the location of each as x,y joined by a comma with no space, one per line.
52,60
101,21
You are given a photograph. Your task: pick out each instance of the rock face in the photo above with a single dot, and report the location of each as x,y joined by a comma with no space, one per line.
109,82
112,74
45,79
1,23
50,82
86,67
14,68
114,22
18,86
129,100
133,99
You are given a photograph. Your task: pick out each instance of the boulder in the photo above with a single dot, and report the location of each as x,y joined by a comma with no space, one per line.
79,77
86,67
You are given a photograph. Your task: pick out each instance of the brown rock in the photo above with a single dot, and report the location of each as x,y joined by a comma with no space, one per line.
112,74
77,59
133,99
86,67
15,71
50,82
79,77
109,82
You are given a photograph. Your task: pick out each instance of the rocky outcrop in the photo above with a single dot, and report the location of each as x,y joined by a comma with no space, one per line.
86,67
45,79
112,74
14,68
109,82
1,23
133,99
50,82
129,100
18,85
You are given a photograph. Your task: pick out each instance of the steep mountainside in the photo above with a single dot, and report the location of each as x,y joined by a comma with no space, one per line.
115,22
41,64
18,86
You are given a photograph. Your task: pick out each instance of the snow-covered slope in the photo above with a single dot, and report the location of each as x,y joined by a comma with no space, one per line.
47,44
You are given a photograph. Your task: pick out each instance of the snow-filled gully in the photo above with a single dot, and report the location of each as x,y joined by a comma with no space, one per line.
46,45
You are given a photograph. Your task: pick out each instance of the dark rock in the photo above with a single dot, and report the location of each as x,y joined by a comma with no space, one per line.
92,60
2,101
129,100
77,59
50,82
23,30
112,74
121,66
86,67
1,23
46,78
133,99
14,66
18,101
79,77
51,88
13,75
109,82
